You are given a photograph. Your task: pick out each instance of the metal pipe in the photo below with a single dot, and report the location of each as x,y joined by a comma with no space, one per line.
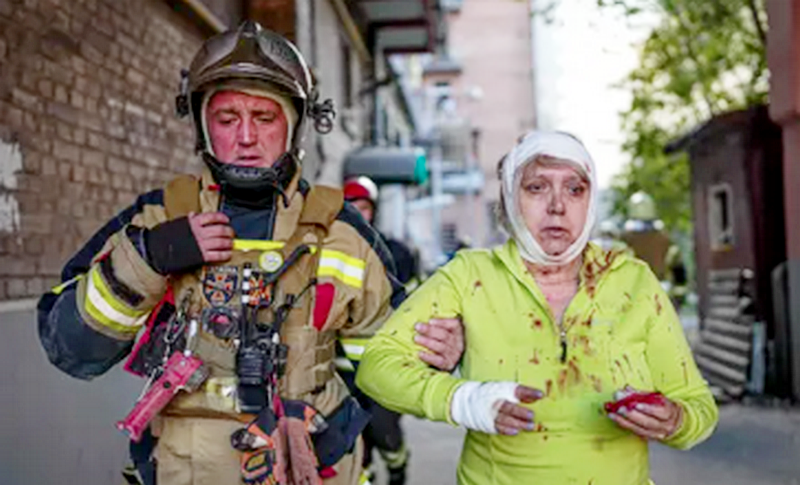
352,29
206,15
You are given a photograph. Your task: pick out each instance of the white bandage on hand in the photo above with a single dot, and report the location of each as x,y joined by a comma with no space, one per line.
475,405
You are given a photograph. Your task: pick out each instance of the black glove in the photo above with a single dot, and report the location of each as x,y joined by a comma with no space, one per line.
169,247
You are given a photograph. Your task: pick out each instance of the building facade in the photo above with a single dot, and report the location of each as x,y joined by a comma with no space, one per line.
87,105
477,98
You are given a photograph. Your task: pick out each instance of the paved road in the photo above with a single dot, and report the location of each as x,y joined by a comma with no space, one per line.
55,430
752,446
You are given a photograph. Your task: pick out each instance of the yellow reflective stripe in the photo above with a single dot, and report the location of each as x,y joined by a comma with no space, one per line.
339,265
102,311
259,245
256,245
341,275
364,479
57,290
344,257
354,347
101,318
108,296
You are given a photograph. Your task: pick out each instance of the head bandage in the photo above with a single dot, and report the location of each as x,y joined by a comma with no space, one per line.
556,145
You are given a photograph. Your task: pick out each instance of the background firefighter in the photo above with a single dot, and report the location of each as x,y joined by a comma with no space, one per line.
383,432
210,245
644,234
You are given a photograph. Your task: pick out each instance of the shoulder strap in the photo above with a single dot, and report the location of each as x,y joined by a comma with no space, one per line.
182,196
322,205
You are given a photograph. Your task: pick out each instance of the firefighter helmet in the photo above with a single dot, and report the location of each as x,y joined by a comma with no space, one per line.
361,188
641,207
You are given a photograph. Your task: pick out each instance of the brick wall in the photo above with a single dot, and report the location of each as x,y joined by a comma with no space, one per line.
86,122
277,15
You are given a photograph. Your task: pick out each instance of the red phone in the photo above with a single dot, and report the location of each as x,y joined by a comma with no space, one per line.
632,400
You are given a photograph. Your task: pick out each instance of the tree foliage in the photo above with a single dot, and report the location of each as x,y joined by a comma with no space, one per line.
704,57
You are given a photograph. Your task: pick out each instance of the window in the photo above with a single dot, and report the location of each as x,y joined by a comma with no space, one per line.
720,217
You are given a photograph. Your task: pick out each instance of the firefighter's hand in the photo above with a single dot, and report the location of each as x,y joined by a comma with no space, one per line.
656,421
187,243
444,340
213,234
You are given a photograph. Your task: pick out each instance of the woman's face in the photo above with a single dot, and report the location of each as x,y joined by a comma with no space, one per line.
554,201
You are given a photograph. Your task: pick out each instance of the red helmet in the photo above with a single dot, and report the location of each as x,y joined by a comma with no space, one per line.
360,188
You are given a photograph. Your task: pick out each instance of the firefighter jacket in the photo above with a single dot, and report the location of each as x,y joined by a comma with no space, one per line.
90,322
620,330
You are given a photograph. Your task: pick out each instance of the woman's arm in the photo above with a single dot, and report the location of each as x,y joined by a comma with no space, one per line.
675,373
391,371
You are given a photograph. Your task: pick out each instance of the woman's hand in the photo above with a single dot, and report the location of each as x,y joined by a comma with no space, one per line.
655,420
444,338
493,407
513,418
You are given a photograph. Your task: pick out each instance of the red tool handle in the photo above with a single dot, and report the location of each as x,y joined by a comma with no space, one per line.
181,372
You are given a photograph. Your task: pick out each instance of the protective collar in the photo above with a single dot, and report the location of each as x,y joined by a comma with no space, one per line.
253,187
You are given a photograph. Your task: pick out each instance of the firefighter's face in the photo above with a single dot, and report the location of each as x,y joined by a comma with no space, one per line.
366,209
246,130
554,201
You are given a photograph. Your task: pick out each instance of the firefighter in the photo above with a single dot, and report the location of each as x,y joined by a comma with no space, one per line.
644,234
383,432
608,236
246,270
362,193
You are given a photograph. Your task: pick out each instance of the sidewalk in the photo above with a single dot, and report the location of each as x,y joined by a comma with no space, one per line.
752,446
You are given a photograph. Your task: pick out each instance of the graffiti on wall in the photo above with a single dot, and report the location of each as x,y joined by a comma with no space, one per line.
10,165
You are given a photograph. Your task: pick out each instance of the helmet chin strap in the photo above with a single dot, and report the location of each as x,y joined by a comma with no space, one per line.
253,187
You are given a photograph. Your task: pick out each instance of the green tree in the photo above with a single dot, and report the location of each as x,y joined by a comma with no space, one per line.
704,57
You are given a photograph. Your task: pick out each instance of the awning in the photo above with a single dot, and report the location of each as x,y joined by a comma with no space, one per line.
388,165
402,26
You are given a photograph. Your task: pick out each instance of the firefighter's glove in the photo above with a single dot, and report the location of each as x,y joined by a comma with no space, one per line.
261,444
185,244
279,450
299,422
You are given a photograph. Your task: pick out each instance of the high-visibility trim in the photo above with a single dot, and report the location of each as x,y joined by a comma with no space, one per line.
109,297
259,245
354,347
104,313
395,459
57,290
344,267
344,364
364,479
256,245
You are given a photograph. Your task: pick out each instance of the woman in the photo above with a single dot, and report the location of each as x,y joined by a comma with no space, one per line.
555,328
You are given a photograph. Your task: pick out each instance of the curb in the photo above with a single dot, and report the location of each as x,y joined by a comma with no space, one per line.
12,306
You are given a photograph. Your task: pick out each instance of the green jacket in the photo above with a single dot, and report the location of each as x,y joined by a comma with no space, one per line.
621,330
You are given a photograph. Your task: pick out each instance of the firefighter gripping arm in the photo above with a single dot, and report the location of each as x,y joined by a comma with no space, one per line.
391,371
88,323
